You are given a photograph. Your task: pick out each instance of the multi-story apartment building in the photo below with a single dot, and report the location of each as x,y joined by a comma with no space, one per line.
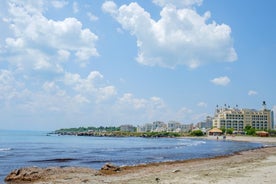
238,119
208,123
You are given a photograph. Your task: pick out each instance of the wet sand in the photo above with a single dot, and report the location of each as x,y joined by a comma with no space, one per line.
247,167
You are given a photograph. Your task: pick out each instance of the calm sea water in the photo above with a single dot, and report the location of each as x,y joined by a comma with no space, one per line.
27,148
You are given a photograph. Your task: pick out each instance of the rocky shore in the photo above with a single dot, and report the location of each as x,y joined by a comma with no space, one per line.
254,166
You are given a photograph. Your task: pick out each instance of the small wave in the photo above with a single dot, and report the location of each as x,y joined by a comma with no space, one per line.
192,143
5,149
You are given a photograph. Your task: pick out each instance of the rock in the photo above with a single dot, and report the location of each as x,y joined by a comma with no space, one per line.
176,171
110,169
32,174
24,174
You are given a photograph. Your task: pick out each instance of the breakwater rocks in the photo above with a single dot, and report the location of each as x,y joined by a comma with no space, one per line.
122,134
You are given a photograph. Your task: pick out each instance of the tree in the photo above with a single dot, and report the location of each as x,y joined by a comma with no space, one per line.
251,131
229,131
197,133
223,129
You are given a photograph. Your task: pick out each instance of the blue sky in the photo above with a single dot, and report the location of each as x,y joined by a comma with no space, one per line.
69,63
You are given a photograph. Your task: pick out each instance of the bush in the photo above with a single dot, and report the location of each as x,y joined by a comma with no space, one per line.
230,131
197,133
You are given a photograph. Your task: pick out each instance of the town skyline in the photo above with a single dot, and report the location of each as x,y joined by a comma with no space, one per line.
71,63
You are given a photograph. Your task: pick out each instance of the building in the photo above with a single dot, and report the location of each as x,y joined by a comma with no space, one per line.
174,126
207,124
159,126
238,119
186,127
145,128
127,128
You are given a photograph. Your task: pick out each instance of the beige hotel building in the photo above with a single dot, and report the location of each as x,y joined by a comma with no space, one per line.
239,118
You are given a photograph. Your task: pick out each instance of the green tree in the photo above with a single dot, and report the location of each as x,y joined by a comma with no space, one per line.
230,131
251,131
247,127
223,129
197,133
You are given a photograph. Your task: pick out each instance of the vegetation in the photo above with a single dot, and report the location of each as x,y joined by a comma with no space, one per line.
197,133
249,130
230,131
223,129
272,133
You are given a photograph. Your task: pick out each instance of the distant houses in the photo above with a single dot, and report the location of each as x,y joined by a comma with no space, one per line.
159,126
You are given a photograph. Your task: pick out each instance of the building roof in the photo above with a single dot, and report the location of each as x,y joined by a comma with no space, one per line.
215,130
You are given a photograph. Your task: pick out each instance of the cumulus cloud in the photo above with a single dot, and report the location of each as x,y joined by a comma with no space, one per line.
75,7
85,97
147,109
59,3
202,104
9,87
36,41
177,3
92,17
110,7
252,93
180,37
91,86
221,81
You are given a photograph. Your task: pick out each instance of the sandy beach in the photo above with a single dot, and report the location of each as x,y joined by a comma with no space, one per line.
248,167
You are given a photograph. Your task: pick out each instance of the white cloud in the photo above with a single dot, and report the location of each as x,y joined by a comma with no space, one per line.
9,86
87,98
177,3
81,99
130,101
179,37
59,3
91,86
202,104
35,36
48,86
63,54
252,93
92,17
221,81
15,43
109,7
75,7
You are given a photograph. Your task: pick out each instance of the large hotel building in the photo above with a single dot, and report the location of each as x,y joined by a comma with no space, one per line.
239,118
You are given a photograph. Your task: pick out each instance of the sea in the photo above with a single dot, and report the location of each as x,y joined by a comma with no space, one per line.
38,148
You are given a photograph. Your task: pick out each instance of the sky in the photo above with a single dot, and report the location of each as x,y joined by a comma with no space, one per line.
72,63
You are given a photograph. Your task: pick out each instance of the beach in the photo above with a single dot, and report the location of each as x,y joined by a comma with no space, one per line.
253,166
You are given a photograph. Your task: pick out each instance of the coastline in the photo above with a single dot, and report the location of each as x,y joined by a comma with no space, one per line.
253,166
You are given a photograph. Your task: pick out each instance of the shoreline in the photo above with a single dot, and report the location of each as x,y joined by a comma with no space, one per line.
252,166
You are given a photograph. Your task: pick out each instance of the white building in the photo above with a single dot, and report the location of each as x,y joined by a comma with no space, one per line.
238,119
